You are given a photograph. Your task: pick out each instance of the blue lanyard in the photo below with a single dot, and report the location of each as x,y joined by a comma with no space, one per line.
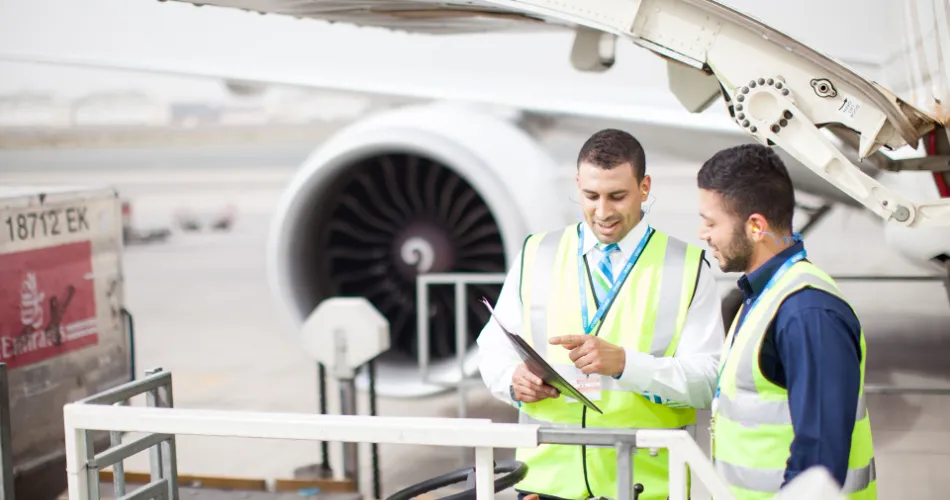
589,327
768,286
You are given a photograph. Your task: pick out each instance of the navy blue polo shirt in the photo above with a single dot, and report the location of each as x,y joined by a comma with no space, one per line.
812,349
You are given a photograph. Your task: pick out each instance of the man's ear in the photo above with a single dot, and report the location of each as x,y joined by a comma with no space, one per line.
645,188
758,226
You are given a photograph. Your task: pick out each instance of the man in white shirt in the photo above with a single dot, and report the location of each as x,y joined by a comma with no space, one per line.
644,341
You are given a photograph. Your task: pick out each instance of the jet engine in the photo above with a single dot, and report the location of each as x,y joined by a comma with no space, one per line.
431,188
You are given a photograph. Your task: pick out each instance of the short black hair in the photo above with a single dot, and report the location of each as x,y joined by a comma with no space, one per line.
752,179
609,148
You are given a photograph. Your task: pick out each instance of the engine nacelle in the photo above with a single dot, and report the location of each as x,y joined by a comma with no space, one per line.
422,189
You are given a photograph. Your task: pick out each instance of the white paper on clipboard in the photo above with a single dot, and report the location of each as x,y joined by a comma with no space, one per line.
537,365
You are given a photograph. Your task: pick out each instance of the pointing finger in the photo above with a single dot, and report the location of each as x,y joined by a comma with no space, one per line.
568,341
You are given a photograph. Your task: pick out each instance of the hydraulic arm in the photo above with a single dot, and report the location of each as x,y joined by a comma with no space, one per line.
777,89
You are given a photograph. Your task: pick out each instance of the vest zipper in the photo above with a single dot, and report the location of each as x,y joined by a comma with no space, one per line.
584,452
590,281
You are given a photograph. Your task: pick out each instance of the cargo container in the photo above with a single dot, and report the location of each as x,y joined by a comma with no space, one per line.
64,330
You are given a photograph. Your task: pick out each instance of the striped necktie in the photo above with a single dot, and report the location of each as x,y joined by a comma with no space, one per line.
604,277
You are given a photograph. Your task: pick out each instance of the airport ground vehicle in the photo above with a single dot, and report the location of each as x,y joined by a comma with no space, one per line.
64,331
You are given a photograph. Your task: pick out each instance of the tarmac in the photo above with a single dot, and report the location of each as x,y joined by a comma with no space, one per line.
203,311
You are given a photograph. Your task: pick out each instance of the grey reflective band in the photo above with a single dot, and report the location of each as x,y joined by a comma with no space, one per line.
671,292
770,480
859,479
747,409
612,384
524,418
862,408
540,286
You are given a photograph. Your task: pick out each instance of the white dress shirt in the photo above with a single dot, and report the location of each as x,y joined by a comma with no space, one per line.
687,379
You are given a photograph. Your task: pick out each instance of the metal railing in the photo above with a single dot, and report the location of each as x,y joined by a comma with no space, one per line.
163,424
163,464
461,282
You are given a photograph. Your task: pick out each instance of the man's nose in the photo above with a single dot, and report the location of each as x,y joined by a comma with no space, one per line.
602,209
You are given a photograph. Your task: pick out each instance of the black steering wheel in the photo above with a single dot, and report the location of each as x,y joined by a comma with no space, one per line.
516,471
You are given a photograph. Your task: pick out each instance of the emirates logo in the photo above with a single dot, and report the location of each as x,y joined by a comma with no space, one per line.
31,302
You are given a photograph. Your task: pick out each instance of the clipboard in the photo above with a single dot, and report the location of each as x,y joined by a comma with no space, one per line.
538,366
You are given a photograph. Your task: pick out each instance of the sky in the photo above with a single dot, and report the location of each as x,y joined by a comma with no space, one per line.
180,38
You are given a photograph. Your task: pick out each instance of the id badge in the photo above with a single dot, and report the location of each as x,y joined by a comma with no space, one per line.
588,385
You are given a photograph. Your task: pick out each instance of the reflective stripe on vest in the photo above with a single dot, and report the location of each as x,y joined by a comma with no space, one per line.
524,418
752,422
648,315
749,410
770,480
541,280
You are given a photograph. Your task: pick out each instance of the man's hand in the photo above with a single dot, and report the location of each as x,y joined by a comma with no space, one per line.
593,355
529,388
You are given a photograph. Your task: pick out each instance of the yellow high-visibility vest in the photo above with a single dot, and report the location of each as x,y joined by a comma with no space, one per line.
648,315
751,425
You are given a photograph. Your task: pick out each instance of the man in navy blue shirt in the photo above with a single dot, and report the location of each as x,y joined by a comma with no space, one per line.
812,345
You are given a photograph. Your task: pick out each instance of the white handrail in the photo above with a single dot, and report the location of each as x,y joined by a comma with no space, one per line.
481,434
684,452
303,426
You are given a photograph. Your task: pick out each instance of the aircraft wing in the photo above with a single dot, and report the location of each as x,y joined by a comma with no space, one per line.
776,89
680,30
